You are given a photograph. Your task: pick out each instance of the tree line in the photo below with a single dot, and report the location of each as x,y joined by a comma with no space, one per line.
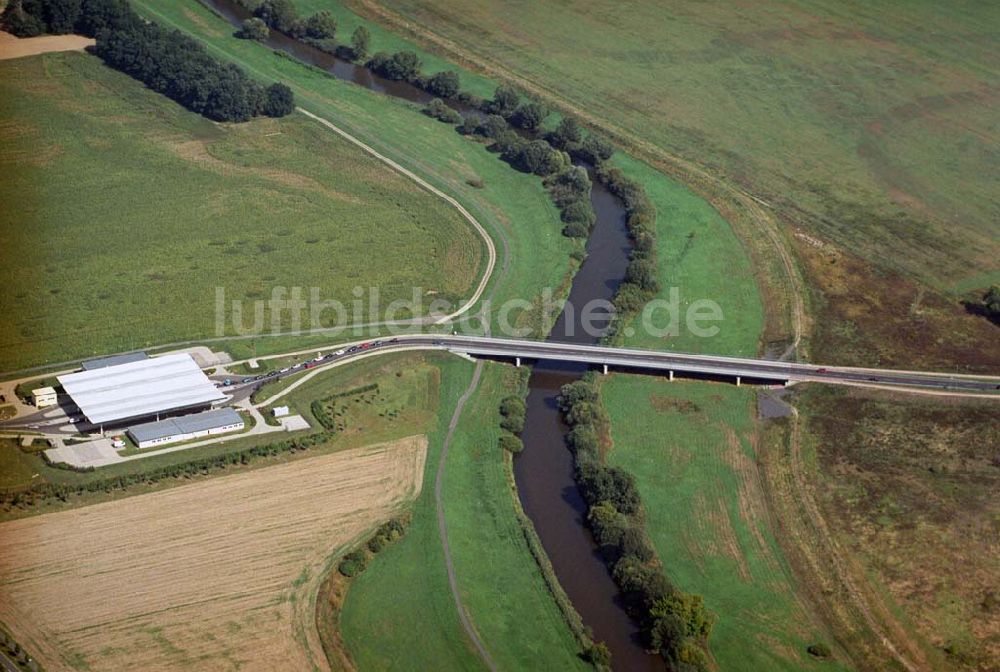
39,492
166,61
357,560
674,623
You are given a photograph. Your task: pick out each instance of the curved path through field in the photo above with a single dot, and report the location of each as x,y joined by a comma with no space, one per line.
490,247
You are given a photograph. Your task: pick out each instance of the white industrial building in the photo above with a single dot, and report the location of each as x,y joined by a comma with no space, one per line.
186,427
140,389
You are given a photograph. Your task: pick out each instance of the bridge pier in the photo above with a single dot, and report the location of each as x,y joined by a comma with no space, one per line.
517,362
738,381
671,375
605,369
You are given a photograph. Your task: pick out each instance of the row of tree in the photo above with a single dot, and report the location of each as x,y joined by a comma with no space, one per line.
641,282
357,560
62,491
512,412
319,29
673,622
166,61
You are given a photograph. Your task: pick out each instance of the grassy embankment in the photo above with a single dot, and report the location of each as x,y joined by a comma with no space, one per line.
908,488
889,171
690,446
501,586
126,211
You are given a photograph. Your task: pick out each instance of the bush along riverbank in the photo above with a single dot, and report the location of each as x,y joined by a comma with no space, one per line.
675,624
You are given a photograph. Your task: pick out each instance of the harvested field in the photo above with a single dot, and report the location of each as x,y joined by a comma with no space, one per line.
216,575
16,47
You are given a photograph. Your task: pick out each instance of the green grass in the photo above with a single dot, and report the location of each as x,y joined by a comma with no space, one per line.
16,466
853,119
127,211
702,258
690,447
511,204
399,614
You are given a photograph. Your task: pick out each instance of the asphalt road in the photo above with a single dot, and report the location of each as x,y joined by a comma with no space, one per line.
748,370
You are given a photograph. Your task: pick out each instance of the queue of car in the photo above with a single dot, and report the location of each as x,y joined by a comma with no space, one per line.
229,382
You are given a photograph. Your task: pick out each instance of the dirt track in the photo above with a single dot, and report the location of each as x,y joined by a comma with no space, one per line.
14,47
217,575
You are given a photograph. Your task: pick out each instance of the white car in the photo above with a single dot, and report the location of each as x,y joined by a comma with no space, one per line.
340,352
285,370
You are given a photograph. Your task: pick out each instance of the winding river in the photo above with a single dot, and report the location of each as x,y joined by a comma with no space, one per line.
544,470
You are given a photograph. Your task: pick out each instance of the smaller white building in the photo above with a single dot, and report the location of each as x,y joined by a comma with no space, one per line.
280,411
186,427
44,397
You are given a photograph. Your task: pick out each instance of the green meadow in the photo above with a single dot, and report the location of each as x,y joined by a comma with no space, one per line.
124,212
690,447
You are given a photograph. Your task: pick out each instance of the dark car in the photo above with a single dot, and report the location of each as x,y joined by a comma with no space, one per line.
353,348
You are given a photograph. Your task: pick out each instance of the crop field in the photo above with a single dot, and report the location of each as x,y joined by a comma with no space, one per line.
125,212
691,448
215,575
512,206
501,587
847,121
909,486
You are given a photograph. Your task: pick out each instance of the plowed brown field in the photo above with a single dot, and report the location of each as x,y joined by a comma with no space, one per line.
217,575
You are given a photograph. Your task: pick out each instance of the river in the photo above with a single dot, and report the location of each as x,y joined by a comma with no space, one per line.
544,470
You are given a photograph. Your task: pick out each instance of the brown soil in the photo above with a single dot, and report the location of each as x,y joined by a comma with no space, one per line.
15,47
873,317
215,575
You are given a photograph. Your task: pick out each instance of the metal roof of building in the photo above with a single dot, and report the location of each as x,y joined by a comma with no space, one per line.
140,388
114,360
185,424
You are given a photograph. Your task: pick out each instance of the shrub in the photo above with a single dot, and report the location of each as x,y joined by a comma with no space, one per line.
353,563
511,443
360,41
513,424
819,650
443,84
253,28
594,149
278,100
530,115
578,212
512,406
439,110
505,101
280,15
401,66
320,26
567,134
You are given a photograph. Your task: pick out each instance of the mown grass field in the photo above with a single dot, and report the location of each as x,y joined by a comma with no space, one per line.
513,206
399,614
690,447
123,213
908,485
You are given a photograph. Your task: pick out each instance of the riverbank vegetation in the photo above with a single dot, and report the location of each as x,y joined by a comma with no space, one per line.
698,466
675,624
501,586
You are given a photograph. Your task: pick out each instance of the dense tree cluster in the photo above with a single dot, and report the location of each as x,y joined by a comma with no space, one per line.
282,16
674,623
512,412
164,60
253,28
